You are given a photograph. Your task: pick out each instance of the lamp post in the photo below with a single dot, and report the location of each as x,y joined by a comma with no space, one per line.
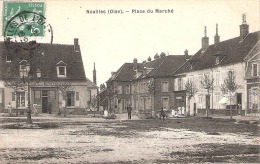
29,80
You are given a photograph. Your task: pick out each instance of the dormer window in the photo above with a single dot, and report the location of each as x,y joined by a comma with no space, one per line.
217,60
254,69
61,69
24,68
8,58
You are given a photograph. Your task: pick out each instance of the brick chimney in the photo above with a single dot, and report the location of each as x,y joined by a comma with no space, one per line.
76,45
186,54
216,37
156,56
244,28
94,75
135,64
205,39
149,59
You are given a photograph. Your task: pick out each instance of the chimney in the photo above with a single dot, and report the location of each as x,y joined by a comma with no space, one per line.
113,74
144,71
149,59
205,39
76,45
162,54
156,56
186,54
216,37
135,64
94,75
244,28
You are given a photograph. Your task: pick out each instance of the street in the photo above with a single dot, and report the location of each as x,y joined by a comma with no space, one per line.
97,140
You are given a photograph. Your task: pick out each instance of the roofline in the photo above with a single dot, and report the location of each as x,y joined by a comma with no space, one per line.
251,52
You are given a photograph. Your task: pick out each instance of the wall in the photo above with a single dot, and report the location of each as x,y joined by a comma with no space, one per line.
200,97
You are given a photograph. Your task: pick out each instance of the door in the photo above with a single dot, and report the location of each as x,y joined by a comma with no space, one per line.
44,101
239,103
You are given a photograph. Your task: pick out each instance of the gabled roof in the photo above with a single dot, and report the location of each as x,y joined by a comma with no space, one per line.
233,51
49,56
126,72
163,66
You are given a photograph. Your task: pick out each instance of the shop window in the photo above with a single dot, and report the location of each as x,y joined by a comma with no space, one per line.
70,98
21,99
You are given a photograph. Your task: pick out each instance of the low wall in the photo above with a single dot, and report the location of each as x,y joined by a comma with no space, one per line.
144,114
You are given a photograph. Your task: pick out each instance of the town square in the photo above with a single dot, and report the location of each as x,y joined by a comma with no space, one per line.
124,82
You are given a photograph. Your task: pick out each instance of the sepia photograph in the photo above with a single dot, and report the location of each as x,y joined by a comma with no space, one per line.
129,82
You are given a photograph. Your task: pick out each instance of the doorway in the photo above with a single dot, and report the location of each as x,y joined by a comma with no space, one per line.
44,101
239,103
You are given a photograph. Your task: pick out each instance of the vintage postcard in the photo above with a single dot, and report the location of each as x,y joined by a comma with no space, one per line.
110,81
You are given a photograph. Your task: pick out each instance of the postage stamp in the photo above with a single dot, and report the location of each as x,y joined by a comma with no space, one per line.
32,20
25,22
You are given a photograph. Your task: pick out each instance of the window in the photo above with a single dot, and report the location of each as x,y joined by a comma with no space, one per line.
127,102
70,98
77,96
231,73
127,89
254,99
254,69
61,71
21,99
23,71
200,101
180,84
217,60
165,102
119,89
165,86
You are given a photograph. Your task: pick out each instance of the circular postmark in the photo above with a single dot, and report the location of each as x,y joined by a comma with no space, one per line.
24,29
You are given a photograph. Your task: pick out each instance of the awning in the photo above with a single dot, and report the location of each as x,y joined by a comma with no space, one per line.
223,100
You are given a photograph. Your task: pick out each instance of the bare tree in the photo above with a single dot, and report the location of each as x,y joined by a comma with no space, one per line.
229,88
208,84
191,90
94,103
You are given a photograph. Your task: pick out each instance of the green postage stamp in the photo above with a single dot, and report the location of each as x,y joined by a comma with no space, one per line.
23,19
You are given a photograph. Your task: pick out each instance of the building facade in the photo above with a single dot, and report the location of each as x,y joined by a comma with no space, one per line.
55,74
252,76
215,62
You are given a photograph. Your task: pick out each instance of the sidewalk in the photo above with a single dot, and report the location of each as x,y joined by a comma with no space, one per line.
239,118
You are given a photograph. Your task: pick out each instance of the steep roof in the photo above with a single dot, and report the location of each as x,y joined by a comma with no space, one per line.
163,66
126,72
46,58
229,52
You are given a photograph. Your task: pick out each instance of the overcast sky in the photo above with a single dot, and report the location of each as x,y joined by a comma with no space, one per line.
110,40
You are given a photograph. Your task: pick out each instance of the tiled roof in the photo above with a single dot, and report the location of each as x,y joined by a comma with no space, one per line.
163,66
252,55
230,52
126,72
49,56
